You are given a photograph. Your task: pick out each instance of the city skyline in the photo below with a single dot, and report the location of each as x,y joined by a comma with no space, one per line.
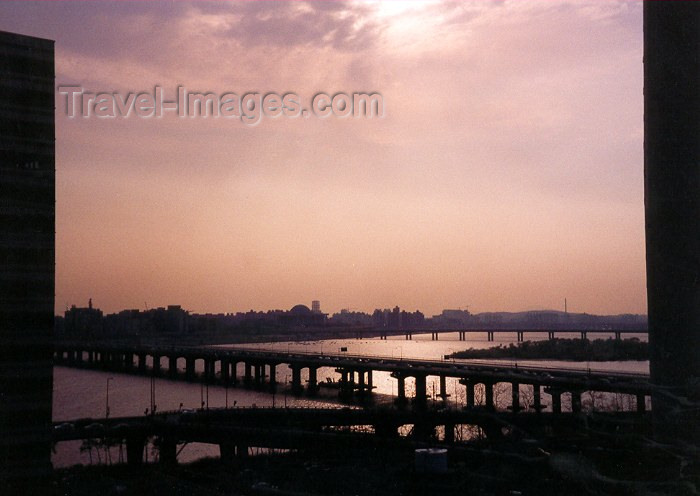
506,173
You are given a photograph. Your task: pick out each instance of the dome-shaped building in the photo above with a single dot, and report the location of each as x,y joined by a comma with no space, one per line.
302,316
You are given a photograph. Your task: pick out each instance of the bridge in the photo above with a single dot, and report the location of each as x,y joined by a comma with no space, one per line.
258,369
235,430
517,332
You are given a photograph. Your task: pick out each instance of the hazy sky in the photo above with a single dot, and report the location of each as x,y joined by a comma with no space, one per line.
506,174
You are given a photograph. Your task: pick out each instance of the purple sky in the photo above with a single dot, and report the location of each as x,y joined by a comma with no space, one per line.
507,173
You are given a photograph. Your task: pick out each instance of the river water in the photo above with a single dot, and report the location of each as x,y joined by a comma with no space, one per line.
80,393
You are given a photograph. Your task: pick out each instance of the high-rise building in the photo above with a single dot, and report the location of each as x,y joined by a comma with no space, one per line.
316,306
27,229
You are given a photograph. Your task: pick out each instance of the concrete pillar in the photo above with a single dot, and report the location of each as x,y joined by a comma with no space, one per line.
156,364
134,450
242,451
536,398
521,336
313,381
443,388
489,336
370,386
551,335
259,372
584,335
556,400
248,375
227,452
641,403
167,451
401,389
297,388
515,397
449,433
234,373
189,369
420,398
172,367
273,377
225,371
488,389
576,401
470,394
142,363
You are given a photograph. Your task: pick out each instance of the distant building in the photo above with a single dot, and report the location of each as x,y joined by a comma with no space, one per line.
302,316
83,322
316,306
27,231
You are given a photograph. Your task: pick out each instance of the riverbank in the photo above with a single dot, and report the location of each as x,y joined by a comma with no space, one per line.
578,350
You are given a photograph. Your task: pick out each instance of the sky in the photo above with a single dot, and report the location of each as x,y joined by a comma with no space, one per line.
505,174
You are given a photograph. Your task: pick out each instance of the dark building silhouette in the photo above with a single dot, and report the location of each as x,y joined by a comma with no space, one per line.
82,322
672,209
27,179
302,316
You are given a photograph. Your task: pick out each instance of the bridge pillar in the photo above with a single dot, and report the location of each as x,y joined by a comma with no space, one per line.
242,451
225,371
400,389
346,383
641,403
313,381
189,369
297,388
521,336
172,367
167,451
576,401
210,370
536,398
556,399
370,386
156,364
443,388
489,336
584,335
273,377
618,335
470,393
248,374
488,393
234,373
227,452
386,429
259,372
449,433
128,361
91,357
134,450
409,336
515,397
434,336
420,398
142,363
79,357
551,335
361,382
462,336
